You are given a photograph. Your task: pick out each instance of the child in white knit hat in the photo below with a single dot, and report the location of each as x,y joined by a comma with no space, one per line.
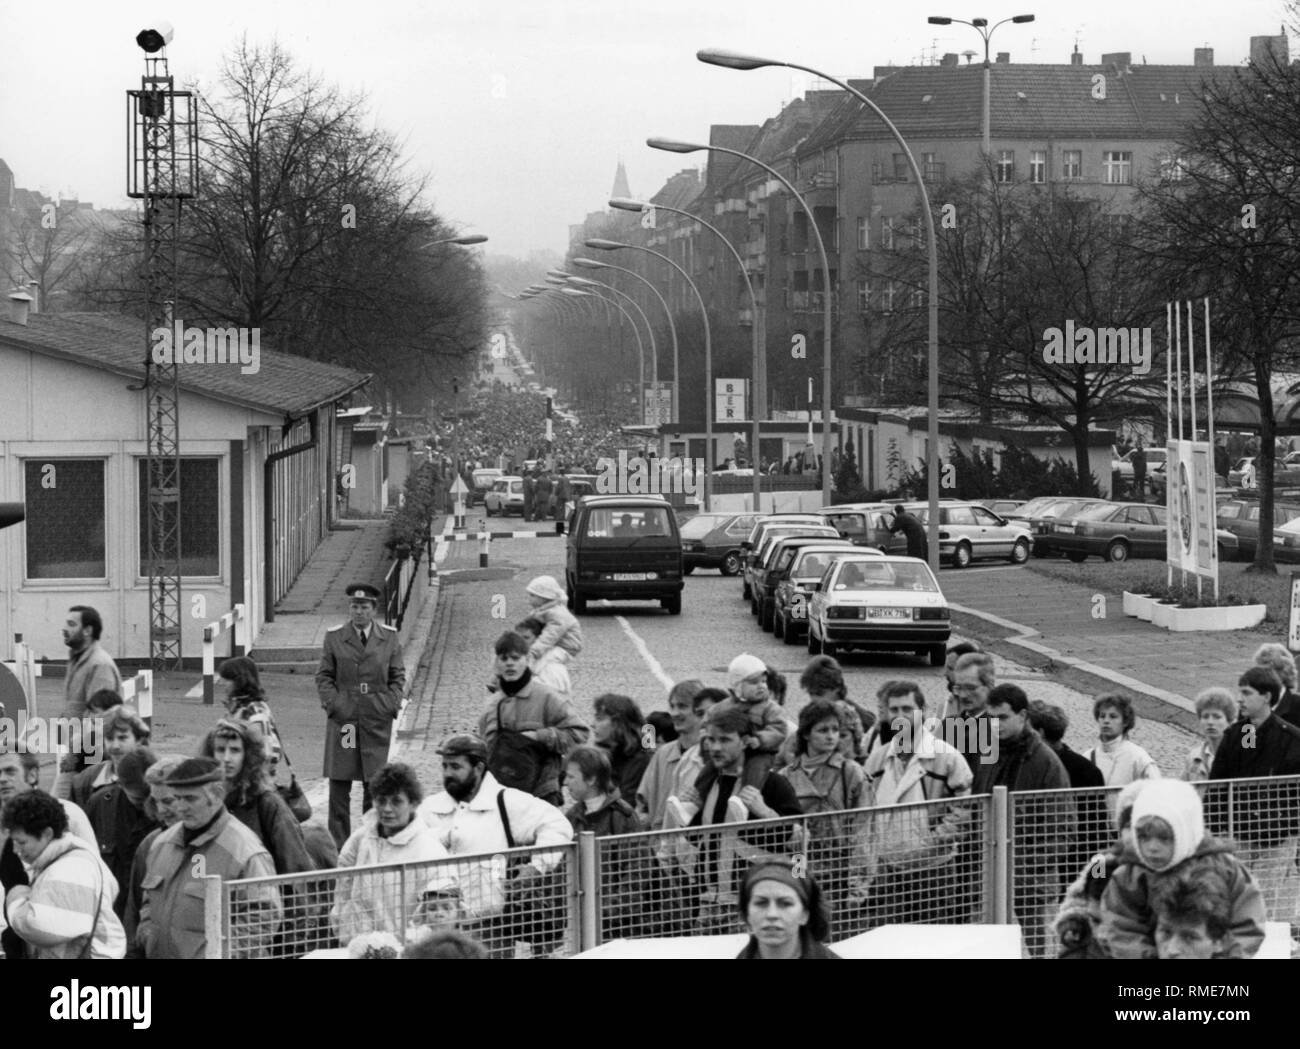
549,603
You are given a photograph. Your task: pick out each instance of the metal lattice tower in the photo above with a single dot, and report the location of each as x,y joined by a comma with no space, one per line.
163,170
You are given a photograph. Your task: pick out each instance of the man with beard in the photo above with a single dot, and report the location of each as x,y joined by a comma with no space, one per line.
527,728
90,669
501,898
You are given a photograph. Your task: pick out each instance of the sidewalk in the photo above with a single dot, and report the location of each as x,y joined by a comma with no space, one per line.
1042,620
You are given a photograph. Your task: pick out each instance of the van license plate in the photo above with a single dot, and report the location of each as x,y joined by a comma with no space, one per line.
629,577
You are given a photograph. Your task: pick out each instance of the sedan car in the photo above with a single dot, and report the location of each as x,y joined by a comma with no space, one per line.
883,603
756,536
1123,530
713,541
1286,543
1241,518
772,569
969,531
759,557
1002,507
506,496
866,524
802,568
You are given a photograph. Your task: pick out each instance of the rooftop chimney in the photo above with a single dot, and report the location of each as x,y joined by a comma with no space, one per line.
19,303
949,59
1203,56
1121,60
1004,57
1262,46
34,290
1076,59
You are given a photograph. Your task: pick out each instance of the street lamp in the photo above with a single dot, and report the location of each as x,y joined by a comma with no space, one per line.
673,146
624,204
578,294
981,25
592,264
596,287
734,60
613,245
465,241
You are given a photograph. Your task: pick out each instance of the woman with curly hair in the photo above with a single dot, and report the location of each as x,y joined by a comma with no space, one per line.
617,731
249,797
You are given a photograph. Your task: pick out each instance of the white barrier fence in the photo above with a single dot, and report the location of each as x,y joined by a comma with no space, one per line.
237,618
136,690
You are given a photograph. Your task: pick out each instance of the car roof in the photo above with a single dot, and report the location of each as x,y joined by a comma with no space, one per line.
854,506
598,501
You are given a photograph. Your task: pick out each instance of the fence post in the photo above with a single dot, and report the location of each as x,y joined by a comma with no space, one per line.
214,931
588,891
1001,865
209,665
483,539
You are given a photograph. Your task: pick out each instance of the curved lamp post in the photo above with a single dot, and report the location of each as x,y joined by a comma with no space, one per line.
981,25
674,146
597,287
592,264
625,204
613,245
465,241
577,294
734,60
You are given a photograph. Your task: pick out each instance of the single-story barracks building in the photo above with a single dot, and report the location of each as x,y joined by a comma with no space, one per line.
257,479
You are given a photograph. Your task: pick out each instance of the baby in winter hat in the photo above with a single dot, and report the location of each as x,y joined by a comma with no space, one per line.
1170,840
549,603
747,683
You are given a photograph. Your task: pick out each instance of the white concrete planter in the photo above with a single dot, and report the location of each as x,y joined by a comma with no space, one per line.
1231,617
1144,607
1134,603
1162,614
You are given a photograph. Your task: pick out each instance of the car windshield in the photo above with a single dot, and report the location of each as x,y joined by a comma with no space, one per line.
700,526
628,523
885,575
1035,506
811,566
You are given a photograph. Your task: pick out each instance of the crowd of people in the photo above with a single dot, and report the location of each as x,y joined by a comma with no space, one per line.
888,831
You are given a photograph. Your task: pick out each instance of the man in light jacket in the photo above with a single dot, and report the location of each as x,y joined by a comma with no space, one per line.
916,847
502,900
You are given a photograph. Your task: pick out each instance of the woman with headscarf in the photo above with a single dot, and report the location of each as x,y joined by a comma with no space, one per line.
786,916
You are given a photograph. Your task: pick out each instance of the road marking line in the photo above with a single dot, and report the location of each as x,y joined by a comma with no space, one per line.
645,653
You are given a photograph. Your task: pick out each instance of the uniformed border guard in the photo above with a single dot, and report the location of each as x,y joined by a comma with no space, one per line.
361,682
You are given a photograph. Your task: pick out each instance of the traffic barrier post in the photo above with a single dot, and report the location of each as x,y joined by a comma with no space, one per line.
237,618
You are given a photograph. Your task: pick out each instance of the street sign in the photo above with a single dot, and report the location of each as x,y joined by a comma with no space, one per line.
657,404
730,400
460,487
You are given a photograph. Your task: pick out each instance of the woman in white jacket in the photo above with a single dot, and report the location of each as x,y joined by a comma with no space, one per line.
391,833
67,910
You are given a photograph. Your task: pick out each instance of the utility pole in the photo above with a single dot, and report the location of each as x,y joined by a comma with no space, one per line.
163,170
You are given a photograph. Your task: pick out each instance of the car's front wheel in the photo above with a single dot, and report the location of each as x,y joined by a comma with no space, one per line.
778,627
1020,552
672,605
731,563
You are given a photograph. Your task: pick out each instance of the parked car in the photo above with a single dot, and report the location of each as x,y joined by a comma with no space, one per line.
770,537
866,524
1286,543
769,572
1243,474
756,535
883,604
506,496
713,541
801,567
1002,507
481,481
1241,518
1038,514
624,547
1123,530
969,532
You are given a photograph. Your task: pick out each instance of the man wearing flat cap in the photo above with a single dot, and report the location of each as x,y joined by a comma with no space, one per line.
361,682
206,840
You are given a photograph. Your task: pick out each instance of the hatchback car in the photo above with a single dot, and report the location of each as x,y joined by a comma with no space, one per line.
713,541
506,496
969,532
866,524
1123,530
769,572
771,536
756,535
624,547
1241,518
800,568
883,603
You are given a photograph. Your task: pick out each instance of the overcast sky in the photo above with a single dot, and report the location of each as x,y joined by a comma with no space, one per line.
521,109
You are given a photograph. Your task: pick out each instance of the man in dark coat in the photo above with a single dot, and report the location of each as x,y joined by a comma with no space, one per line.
1045,822
530,495
561,496
542,497
361,682
1095,833
913,530
1139,460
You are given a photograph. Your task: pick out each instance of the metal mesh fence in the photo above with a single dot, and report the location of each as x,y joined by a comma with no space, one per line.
1055,836
903,864
517,903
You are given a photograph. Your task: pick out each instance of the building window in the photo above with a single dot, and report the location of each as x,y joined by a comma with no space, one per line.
1072,164
864,295
1118,168
200,517
1038,165
1006,171
900,167
864,233
1172,168
65,518
887,234
916,297
887,297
